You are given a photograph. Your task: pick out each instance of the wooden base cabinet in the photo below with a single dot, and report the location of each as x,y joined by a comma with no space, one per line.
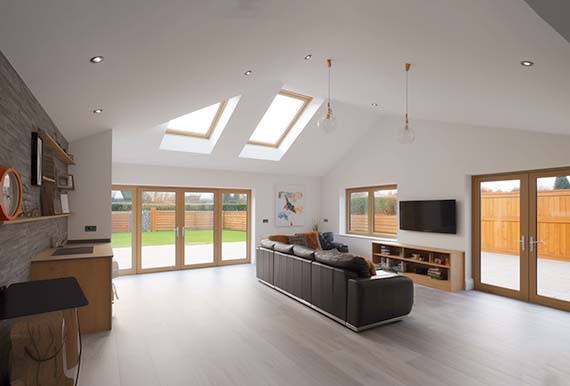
93,272
421,263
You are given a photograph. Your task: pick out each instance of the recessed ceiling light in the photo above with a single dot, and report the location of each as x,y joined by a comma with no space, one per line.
97,111
248,72
527,63
96,59
374,104
309,56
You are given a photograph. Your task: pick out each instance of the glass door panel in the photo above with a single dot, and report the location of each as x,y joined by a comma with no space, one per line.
235,226
158,230
199,225
500,233
550,237
122,240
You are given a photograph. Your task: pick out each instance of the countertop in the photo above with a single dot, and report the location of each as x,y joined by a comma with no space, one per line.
99,250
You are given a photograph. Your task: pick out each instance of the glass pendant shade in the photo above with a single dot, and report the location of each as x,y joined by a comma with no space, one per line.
327,123
406,135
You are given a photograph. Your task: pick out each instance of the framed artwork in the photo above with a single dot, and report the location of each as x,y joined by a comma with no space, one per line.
289,206
37,154
64,203
66,182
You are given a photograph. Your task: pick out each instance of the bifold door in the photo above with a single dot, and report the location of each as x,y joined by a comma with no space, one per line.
160,229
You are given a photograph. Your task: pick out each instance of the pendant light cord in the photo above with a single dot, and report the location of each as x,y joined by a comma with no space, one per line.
408,65
329,63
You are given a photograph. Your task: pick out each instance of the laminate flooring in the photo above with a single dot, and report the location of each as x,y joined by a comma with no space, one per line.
220,326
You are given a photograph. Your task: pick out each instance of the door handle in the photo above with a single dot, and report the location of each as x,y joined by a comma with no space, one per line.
533,242
522,241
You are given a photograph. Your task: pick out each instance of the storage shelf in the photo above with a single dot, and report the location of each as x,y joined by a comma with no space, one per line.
412,260
428,281
454,263
57,150
21,220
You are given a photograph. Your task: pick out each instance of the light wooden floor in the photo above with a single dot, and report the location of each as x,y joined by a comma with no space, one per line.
219,326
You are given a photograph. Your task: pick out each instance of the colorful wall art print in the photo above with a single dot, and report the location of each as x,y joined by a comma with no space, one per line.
289,206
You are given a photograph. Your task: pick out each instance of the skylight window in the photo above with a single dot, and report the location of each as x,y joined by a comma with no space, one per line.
200,123
279,118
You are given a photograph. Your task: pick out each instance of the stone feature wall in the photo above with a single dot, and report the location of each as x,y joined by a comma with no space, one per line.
20,115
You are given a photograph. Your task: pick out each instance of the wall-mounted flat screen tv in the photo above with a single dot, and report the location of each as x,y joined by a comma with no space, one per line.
438,216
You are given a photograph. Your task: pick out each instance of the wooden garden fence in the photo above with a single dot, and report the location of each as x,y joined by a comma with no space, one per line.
162,220
382,223
500,226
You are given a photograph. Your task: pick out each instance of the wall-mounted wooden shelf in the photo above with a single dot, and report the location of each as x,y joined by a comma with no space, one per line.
21,220
58,151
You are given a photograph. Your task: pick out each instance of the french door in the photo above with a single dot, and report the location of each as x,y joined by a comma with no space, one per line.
521,236
180,228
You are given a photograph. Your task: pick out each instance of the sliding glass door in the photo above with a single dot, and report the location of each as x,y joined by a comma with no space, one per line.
521,236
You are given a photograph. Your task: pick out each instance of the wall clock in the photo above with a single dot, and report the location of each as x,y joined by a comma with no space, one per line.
10,194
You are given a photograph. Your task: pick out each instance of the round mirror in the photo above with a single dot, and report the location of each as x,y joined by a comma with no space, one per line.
10,194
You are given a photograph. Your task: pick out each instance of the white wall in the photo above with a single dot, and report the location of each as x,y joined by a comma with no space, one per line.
90,202
437,166
262,186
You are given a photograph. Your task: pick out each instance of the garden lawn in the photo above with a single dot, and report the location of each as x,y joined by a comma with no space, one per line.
123,239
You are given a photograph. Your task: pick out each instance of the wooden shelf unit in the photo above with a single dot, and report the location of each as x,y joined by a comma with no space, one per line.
57,150
21,220
453,263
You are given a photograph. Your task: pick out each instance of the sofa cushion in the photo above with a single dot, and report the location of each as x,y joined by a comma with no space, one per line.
267,244
304,252
312,239
298,240
279,238
283,248
326,239
345,261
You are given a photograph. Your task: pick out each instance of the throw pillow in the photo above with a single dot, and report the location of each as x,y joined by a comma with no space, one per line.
371,267
298,240
279,238
312,240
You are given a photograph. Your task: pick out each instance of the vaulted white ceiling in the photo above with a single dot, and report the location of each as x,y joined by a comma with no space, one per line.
166,58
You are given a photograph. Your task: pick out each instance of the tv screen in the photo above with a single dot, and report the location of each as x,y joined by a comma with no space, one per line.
436,216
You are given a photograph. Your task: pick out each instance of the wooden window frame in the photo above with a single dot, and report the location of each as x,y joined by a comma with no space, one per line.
305,99
208,134
370,190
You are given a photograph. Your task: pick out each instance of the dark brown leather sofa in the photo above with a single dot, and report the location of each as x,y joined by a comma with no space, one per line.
336,284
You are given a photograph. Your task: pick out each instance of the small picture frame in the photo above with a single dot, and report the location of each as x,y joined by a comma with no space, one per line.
64,203
37,155
66,182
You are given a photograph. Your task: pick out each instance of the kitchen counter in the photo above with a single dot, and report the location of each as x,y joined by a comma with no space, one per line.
99,250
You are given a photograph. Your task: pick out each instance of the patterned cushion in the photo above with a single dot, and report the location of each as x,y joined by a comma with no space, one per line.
298,240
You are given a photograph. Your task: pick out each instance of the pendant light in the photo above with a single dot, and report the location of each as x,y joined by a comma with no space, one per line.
406,134
328,122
